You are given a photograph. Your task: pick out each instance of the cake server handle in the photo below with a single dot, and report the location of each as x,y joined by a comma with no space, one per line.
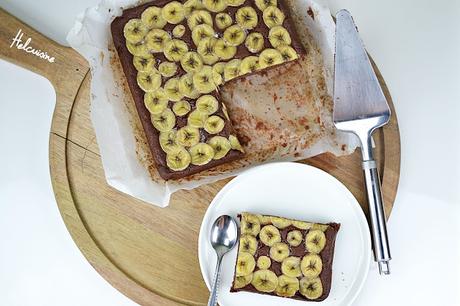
215,286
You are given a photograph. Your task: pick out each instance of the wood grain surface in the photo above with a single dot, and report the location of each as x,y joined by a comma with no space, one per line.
146,252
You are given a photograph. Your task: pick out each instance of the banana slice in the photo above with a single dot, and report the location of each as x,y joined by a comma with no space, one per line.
149,81
264,220
269,57
287,286
248,244
175,49
291,266
207,104
224,110
215,6
245,264
201,154
279,251
263,4
311,265
153,18
246,17
264,281
197,119
294,238
203,80
178,31
287,53
249,224
273,16
232,69
207,50
235,144
280,222
320,227
311,288
201,32
191,62
192,5
134,31
302,225
156,101
217,77
264,262
165,121
223,50
172,91
315,241
223,20
279,36
168,141
234,35
181,108
221,146
199,17
242,281
254,42
156,39
173,12
138,49
186,86
144,64
188,136
234,2
214,125
249,64
167,69
269,235
178,159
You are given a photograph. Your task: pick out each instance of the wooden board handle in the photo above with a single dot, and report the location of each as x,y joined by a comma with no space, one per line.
24,46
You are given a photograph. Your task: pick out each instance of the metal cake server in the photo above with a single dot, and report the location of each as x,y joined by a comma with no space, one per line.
360,107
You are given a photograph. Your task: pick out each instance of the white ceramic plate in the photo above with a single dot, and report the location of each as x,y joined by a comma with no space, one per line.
300,192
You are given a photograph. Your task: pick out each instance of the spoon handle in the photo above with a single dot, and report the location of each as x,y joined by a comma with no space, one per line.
213,298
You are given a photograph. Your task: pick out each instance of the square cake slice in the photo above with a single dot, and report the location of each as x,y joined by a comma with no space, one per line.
176,56
285,257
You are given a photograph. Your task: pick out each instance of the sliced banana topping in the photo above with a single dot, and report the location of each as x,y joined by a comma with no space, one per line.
302,225
178,31
144,64
181,108
165,121
263,4
249,224
245,264
149,80
156,101
234,35
199,17
315,241
320,227
234,143
223,50
207,104
246,17
279,251
186,86
175,49
197,119
287,286
215,6
311,288
273,16
287,53
264,262
191,62
248,244
264,281
254,42
311,265
269,235
291,266
232,69
223,20
269,57
178,159
173,12
168,141
167,69
207,50
153,18
294,238
201,154
264,220
279,36
156,39
203,80
192,5
138,49
249,64
134,31
221,146
201,32
188,136
242,281
214,125
172,90
280,222
234,2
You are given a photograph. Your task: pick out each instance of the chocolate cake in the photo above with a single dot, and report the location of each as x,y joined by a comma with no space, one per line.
284,257
176,56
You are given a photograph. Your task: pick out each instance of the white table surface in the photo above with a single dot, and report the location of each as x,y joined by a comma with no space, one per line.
416,44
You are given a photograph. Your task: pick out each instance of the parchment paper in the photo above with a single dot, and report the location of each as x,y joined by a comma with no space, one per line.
283,115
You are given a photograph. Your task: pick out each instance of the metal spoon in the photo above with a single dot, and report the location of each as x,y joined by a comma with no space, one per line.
224,235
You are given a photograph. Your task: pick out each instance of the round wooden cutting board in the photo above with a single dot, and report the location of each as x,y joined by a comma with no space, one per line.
146,252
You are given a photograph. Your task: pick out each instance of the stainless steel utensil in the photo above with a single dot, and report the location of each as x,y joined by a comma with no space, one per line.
224,235
360,107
